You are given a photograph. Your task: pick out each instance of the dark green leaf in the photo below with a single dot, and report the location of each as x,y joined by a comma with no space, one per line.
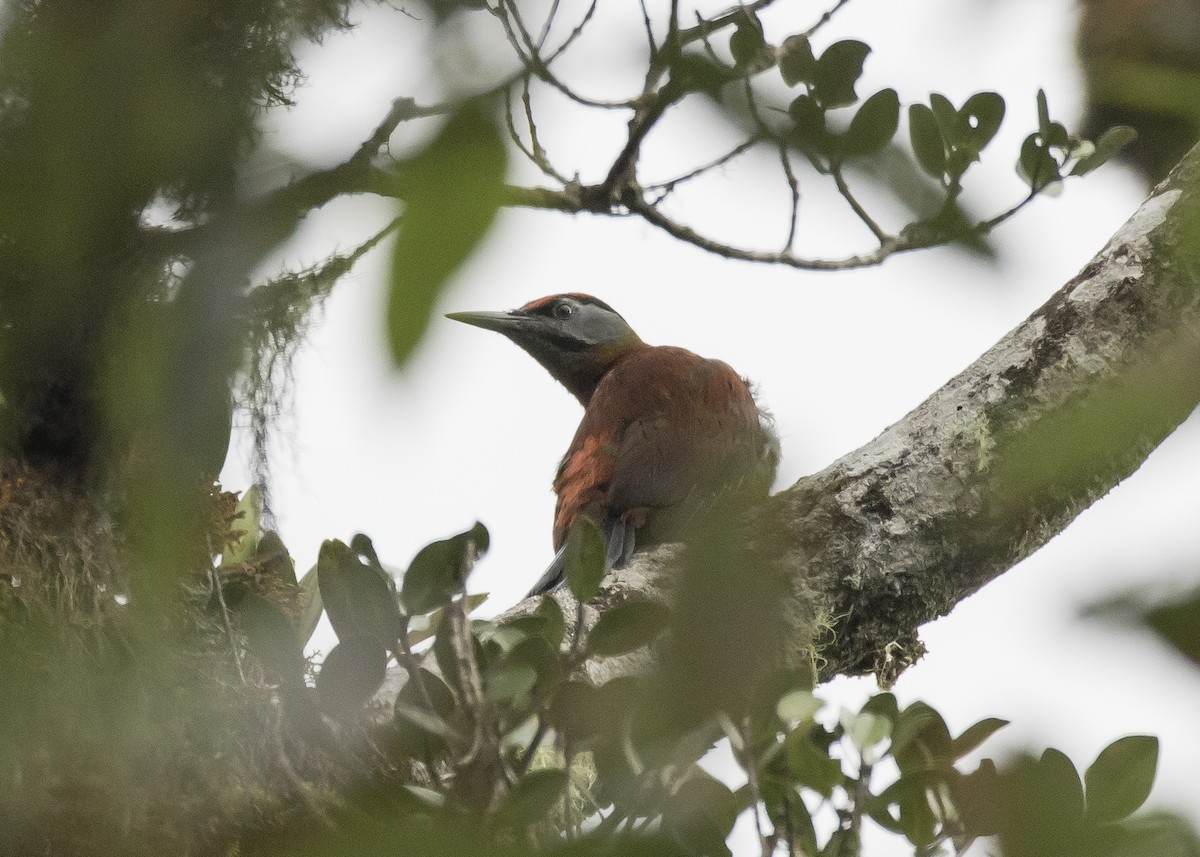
803,832
747,43
583,563
947,118
1043,112
982,114
796,60
1119,781
1036,166
700,814
920,737
975,735
353,670
874,125
627,627
1063,786
694,72
271,638
452,192
809,119
534,795
358,599
364,548
838,69
1110,142
810,765
439,570
1058,136
927,142
916,816
882,704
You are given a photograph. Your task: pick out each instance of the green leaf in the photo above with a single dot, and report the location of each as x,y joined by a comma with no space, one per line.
810,765
439,570
866,730
540,656
1119,781
1036,165
920,736
271,638
927,142
1062,783
452,191
627,627
583,563
554,625
311,606
1110,142
975,735
809,119
796,60
838,69
246,522
359,599
981,115
798,705
947,118
1043,112
804,835
747,43
874,125
701,813
353,670
509,682
534,795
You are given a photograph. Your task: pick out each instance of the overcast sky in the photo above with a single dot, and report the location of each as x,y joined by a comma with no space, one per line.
473,428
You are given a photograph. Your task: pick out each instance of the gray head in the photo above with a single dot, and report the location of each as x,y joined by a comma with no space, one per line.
576,337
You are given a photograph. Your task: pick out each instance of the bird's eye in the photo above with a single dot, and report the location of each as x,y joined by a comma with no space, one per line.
563,311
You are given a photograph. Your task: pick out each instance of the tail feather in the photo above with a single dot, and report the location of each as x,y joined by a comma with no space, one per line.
618,548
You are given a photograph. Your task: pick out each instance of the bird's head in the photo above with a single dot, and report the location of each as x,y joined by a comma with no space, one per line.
576,337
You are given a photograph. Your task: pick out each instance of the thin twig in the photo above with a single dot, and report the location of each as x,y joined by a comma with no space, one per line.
541,39
839,179
574,34
530,57
670,185
794,186
825,19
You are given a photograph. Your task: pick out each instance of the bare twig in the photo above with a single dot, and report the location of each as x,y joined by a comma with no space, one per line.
825,19
794,186
835,170
670,185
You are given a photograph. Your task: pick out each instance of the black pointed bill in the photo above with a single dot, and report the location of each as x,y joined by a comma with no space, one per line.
501,322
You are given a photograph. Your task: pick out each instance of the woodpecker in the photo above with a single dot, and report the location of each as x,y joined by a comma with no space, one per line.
665,433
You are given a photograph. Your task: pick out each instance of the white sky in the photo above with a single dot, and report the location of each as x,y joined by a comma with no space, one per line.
473,429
